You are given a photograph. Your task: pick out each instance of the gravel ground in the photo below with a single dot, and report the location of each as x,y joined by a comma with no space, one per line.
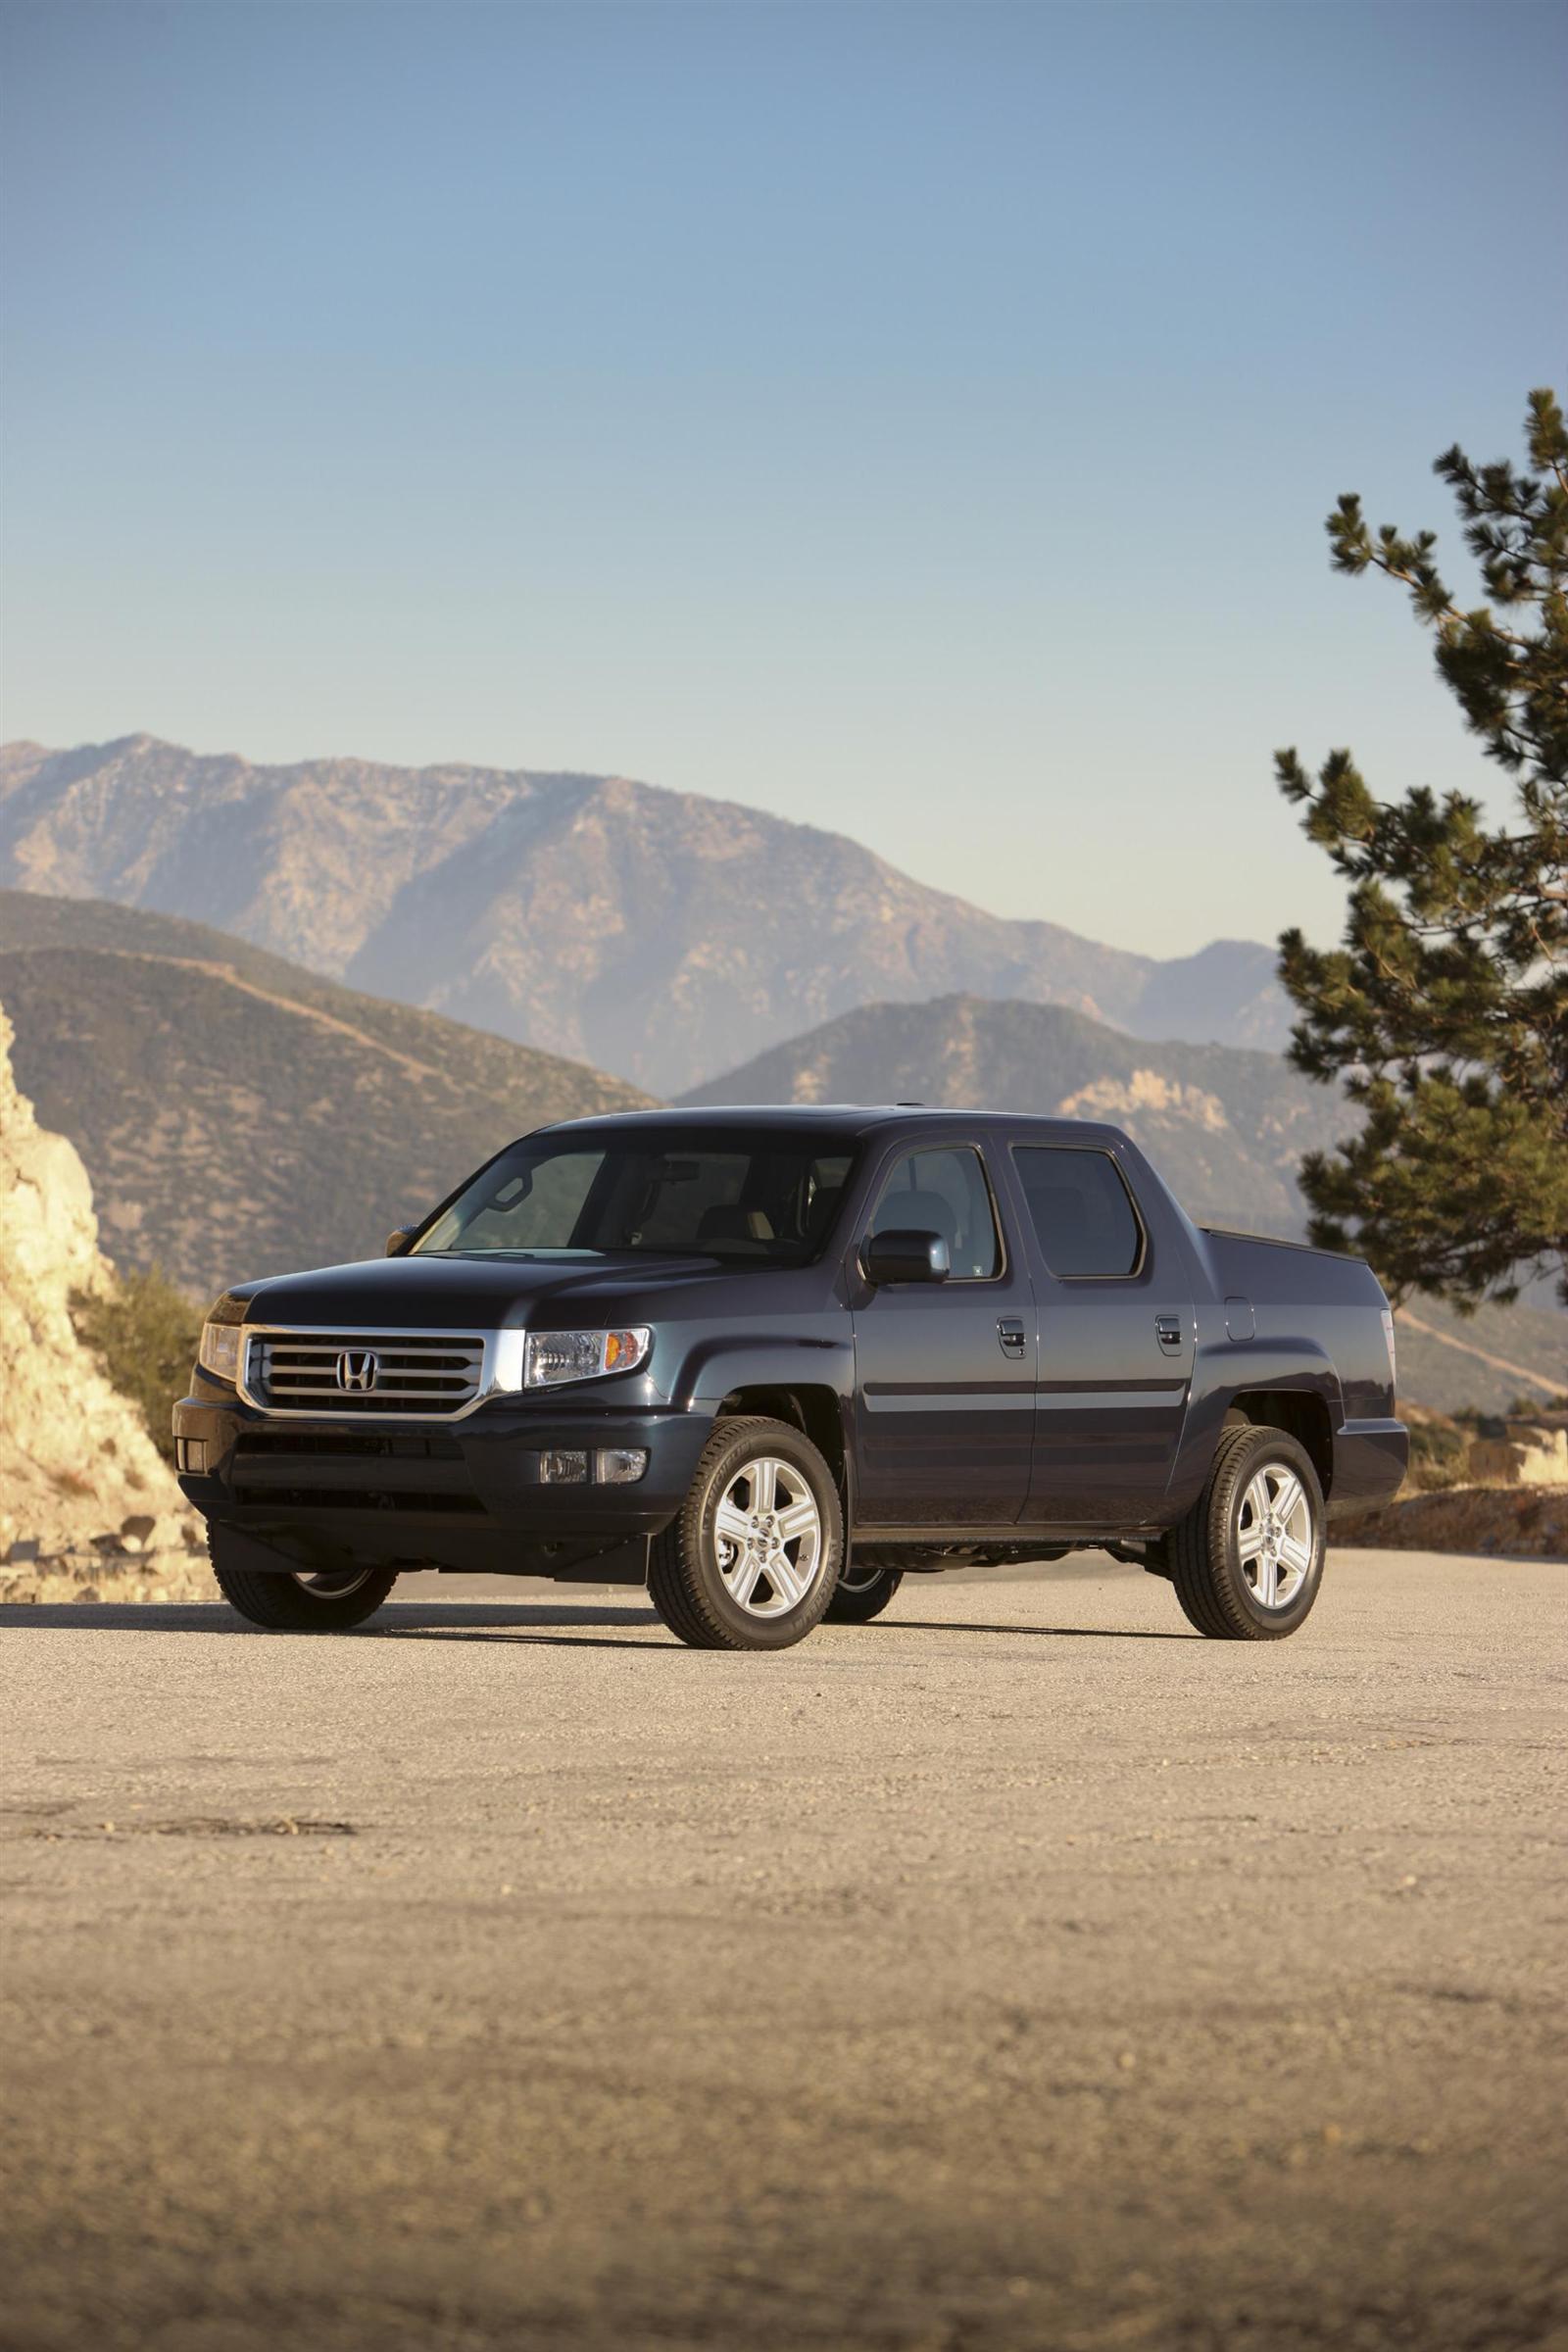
1018,1971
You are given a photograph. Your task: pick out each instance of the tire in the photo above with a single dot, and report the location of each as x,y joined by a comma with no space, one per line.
862,1594
1221,1561
711,1574
294,1601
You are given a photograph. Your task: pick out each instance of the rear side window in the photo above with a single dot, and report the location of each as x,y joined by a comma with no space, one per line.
944,1192
1082,1214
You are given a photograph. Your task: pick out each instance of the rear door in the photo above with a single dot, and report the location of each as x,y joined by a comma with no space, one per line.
945,1371
1116,1338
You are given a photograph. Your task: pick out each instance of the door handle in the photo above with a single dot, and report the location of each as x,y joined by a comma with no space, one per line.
1168,1331
1011,1334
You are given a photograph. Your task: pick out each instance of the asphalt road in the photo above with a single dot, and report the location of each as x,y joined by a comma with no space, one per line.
1017,1972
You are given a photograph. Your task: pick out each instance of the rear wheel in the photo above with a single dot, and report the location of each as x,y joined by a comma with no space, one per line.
300,1600
1247,1559
752,1560
862,1592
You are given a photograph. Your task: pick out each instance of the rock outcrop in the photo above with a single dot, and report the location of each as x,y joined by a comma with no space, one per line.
82,1489
1533,1453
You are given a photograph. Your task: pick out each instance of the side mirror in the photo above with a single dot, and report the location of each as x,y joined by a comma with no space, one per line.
905,1257
398,1240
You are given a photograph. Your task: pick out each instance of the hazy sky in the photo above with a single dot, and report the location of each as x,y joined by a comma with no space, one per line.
915,420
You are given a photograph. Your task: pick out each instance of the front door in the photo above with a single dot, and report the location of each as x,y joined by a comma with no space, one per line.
1116,1341
945,1372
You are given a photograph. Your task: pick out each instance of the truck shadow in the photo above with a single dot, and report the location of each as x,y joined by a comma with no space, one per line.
534,1636
498,1621
398,1617
1051,1633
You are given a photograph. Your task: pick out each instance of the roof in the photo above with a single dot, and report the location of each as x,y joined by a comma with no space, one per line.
855,1118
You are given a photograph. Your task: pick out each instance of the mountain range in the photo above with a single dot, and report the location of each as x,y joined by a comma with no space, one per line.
657,934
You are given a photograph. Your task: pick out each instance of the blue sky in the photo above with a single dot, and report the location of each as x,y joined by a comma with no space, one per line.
915,420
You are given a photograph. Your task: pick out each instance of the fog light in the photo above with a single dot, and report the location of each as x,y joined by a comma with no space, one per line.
190,1455
562,1466
619,1465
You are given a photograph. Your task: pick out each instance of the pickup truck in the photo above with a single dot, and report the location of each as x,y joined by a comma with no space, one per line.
769,1362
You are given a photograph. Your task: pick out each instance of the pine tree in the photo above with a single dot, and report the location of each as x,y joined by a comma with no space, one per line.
1445,1010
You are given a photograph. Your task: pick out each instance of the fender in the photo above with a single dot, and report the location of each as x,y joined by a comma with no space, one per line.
714,1366
1222,1371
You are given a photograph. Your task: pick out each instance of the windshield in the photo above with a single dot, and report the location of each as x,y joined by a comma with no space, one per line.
760,1195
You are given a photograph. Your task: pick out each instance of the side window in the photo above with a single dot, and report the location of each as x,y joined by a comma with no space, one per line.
945,1192
1083,1217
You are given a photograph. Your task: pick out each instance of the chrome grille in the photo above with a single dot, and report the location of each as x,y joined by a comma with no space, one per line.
417,1375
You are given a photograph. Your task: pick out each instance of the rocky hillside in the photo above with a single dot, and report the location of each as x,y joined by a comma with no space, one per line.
653,933
1226,1128
76,1467
243,1117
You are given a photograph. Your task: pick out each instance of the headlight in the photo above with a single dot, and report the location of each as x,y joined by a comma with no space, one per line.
219,1349
552,1357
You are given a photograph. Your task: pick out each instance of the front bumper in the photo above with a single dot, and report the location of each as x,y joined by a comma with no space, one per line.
463,1493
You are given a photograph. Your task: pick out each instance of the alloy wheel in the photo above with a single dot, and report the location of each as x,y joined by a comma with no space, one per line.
1275,1534
768,1532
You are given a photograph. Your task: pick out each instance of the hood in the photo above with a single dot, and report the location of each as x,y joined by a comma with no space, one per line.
489,1293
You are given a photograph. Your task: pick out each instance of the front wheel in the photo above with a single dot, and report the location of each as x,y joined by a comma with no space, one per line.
1247,1559
752,1560
300,1600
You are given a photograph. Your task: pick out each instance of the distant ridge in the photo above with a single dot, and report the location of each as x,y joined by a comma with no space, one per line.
1227,1127
655,933
239,1116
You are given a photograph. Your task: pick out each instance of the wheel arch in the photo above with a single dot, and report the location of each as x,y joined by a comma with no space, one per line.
810,1406
1300,1413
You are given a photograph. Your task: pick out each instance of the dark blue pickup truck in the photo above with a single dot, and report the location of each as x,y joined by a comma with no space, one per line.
769,1362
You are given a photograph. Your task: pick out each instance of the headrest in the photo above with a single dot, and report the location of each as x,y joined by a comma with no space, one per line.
729,1223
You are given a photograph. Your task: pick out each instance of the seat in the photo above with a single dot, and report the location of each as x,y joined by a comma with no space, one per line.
729,1222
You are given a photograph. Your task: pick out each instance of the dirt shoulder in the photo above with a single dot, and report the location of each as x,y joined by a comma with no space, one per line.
1514,1523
